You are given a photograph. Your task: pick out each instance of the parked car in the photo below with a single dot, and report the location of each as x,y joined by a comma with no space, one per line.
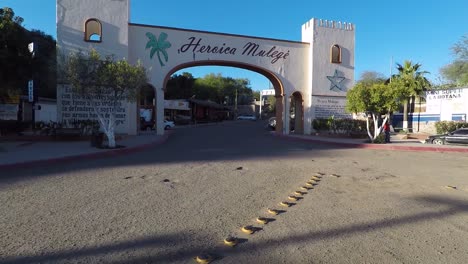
168,124
459,136
151,125
246,117
272,123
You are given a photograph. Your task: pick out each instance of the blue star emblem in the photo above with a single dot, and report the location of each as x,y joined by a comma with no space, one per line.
336,82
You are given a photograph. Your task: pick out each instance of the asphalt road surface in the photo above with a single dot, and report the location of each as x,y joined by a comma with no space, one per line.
182,198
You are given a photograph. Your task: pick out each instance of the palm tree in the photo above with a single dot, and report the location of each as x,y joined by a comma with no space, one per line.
413,84
158,46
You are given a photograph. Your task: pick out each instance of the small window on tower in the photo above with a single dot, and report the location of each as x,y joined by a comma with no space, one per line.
335,54
93,30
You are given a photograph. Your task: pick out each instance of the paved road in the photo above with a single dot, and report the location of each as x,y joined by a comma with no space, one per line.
184,197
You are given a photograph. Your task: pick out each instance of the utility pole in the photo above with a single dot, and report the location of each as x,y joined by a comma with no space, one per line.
31,93
235,106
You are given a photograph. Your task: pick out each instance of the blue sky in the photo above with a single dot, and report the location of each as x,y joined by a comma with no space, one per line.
422,31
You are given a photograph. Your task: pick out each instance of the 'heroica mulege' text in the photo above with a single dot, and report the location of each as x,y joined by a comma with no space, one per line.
250,49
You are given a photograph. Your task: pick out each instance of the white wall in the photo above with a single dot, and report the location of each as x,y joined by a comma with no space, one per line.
114,17
323,34
47,113
186,47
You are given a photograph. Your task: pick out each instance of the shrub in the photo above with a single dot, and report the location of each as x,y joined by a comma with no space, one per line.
443,127
340,126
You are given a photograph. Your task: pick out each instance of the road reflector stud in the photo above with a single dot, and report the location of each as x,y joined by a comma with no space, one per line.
299,193
204,258
292,198
306,188
335,175
248,229
309,184
231,241
315,179
285,204
273,211
262,220
320,173
451,187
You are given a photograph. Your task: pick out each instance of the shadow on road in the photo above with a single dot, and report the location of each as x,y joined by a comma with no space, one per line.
450,207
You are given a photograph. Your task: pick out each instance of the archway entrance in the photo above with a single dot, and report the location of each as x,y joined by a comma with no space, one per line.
297,113
319,66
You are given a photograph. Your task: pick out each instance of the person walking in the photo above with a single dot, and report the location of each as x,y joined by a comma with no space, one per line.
386,129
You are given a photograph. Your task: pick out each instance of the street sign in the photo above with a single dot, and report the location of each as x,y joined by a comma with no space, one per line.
31,91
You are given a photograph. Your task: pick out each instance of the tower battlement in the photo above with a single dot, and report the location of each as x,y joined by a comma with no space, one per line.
329,24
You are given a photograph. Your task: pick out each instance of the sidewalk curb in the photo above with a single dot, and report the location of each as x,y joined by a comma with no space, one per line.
93,155
373,146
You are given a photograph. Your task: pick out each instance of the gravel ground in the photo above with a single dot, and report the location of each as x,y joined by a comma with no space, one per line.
183,198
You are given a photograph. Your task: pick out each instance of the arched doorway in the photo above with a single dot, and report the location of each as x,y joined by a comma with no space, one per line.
276,82
297,113
146,110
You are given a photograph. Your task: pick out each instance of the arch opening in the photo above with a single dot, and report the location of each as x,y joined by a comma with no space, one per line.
297,113
274,80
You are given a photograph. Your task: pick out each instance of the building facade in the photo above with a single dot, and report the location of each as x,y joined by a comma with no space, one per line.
310,77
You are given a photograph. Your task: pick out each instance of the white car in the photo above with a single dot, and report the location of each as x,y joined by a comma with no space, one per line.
246,117
168,124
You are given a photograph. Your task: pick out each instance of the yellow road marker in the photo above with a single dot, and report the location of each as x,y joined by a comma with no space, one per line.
299,193
285,204
231,241
273,211
451,187
248,229
306,188
204,259
292,198
262,220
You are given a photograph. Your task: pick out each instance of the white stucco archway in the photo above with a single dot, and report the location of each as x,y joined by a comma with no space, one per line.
304,67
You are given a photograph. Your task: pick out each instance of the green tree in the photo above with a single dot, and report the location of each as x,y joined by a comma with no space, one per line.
180,86
372,77
374,100
14,54
104,82
18,65
413,83
457,71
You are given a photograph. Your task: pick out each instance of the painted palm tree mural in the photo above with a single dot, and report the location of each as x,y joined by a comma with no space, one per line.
158,46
